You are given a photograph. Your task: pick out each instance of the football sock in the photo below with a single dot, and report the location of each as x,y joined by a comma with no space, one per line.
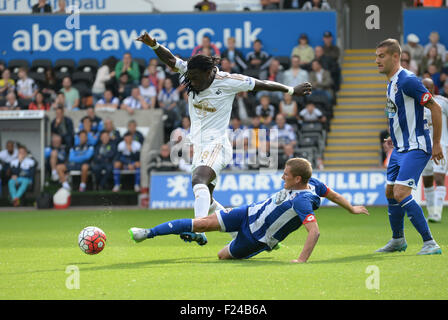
201,201
396,218
65,185
137,176
415,214
430,197
215,206
171,227
440,194
117,177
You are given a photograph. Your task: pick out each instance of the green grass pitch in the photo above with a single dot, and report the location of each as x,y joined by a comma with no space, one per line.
38,246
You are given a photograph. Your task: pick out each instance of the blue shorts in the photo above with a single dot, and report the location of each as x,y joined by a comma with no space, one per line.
126,161
405,168
244,245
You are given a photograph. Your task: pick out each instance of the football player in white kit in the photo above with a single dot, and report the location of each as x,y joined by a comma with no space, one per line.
436,172
210,96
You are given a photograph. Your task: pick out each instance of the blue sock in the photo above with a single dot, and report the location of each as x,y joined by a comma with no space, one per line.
396,218
172,227
137,176
117,173
415,214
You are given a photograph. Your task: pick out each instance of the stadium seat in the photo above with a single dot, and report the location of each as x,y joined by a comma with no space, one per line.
284,61
64,66
141,63
38,77
15,64
84,77
88,65
41,65
312,127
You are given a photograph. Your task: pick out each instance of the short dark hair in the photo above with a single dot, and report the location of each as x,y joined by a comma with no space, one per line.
392,45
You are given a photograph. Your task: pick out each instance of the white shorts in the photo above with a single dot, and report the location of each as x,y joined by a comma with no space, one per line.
432,168
215,156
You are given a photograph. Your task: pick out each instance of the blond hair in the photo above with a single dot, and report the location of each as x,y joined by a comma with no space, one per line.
300,167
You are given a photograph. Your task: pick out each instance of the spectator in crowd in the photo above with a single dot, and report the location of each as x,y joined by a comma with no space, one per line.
103,160
303,50
61,7
273,73
435,76
39,103
6,83
293,4
321,81
108,102
41,7
79,158
257,60
295,75
432,57
242,106
160,69
127,65
265,110
168,100
330,64
136,135
134,102
123,88
282,133
330,49
50,86
22,175
59,102
407,63
205,5
257,139
25,86
206,43
180,134
270,4
114,134
415,49
312,114
288,153
155,77
97,122
2,66
444,90
288,108
104,75
56,157
235,56
162,162
236,133
92,137
316,5
11,102
128,158
7,155
148,92
63,126
226,66
434,41
72,97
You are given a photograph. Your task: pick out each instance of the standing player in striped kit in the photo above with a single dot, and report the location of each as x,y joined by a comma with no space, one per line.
436,172
410,137
262,225
210,97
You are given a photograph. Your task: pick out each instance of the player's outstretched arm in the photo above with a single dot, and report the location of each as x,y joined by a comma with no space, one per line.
310,243
302,89
341,201
163,53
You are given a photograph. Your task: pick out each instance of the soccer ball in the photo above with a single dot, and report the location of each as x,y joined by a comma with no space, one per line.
91,240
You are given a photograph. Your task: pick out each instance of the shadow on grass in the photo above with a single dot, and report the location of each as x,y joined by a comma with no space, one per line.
362,257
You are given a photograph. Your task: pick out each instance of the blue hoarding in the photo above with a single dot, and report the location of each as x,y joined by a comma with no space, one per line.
99,36
235,189
423,21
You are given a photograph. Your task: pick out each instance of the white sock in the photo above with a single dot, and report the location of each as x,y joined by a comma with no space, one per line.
429,196
440,194
201,201
82,185
215,206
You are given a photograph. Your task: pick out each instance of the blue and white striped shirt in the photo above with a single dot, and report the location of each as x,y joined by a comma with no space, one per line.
406,96
272,220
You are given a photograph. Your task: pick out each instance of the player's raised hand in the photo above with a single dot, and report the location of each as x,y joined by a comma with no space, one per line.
360,210
147,39
303,89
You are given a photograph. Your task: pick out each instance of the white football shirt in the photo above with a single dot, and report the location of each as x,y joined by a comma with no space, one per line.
443,102
210,110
